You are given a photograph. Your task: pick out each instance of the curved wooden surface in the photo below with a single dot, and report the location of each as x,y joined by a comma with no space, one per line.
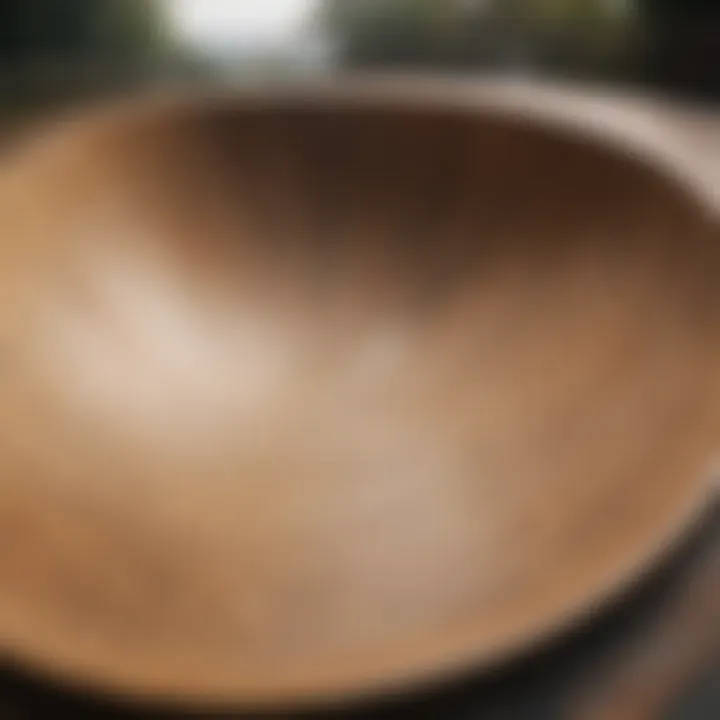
302,398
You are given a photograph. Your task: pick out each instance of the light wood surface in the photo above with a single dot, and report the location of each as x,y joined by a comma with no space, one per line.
304,397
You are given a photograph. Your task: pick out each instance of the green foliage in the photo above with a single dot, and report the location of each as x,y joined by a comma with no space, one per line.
78,28
58,52
580,34
393,31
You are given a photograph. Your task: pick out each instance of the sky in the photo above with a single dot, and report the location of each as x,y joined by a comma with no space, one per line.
219,24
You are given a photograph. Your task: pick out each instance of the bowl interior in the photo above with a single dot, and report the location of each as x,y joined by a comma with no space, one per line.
306,398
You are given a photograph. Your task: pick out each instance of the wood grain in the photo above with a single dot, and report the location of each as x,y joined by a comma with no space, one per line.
304,397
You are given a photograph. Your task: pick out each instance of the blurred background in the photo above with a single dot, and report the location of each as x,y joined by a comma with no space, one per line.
59,51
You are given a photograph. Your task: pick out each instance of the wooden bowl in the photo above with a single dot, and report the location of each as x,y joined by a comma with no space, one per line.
316,393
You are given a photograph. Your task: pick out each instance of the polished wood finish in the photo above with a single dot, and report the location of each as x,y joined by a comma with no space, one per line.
304,397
